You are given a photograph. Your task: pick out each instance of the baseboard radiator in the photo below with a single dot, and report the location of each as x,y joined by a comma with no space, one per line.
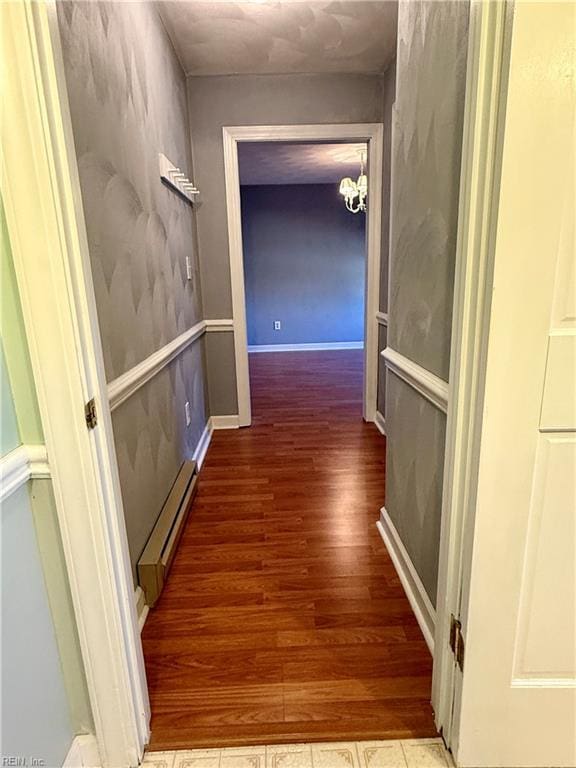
159,552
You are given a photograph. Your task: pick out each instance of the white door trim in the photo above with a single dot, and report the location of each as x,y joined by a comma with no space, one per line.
487,69
373,134
41,192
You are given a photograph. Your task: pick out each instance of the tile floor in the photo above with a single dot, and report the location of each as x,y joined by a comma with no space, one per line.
413,753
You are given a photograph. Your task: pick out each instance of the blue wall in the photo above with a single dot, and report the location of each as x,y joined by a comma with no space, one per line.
304,263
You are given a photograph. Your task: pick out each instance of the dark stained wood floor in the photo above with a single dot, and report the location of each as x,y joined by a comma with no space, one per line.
283,619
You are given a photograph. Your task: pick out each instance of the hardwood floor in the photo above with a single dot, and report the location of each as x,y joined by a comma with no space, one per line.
283,619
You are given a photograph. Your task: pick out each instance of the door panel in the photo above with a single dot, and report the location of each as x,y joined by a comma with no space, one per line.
517,704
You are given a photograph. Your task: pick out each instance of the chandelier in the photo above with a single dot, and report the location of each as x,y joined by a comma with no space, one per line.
355,192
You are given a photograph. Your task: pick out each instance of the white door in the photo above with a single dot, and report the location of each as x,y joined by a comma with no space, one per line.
516,703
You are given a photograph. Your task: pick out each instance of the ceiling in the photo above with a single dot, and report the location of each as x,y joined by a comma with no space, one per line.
283,163
287,37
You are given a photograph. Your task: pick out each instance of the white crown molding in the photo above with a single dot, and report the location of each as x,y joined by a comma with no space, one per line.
380,422
20,465
125,385
322,345
430,386
382,318
421,605
219,325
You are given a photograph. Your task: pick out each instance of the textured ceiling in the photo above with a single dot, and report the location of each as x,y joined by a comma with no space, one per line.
291,36
280,163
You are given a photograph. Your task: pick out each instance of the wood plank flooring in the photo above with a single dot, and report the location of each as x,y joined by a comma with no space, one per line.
283,619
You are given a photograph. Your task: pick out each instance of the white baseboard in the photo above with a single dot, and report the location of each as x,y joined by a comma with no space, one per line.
423,609
306,347
83,753
200,451
225,422
380,422
141,608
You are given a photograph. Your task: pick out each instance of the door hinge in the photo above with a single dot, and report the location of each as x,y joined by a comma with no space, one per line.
457,641
90,414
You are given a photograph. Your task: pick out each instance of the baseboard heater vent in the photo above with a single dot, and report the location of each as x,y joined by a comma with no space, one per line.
159,552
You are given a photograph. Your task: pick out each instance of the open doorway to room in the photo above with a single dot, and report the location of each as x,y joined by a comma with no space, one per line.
304,258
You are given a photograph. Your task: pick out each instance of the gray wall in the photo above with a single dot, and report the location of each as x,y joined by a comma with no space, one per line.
304,264
215,102
426,153
127,95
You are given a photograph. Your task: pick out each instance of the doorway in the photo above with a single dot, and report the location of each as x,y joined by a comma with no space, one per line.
369,134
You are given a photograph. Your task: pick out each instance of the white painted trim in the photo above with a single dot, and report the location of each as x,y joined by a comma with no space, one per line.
20,465
201,449
225,422
142,609
486,86
415,592
234,216
382,318
430,386
125,385
380,422
219,325
40,183
130,382
83,753
369,132
322,345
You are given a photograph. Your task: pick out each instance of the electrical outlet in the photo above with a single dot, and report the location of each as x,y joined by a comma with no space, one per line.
188,268
187,412
277,325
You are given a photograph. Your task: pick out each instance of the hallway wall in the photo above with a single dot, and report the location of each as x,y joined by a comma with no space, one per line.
215,102
426,153
127,96
304,264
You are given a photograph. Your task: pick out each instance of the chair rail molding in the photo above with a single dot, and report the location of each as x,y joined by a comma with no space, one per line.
125,385
382,318
219,326
20,465
430,386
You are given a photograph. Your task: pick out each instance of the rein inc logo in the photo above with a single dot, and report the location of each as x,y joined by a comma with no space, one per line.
19,761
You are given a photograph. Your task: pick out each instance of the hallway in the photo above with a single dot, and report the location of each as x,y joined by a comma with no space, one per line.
283,619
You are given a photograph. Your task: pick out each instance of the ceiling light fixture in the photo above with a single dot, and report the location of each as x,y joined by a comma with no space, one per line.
351,190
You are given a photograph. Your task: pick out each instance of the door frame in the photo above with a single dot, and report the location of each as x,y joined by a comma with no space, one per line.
47,231
372,134
488,60
41,185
